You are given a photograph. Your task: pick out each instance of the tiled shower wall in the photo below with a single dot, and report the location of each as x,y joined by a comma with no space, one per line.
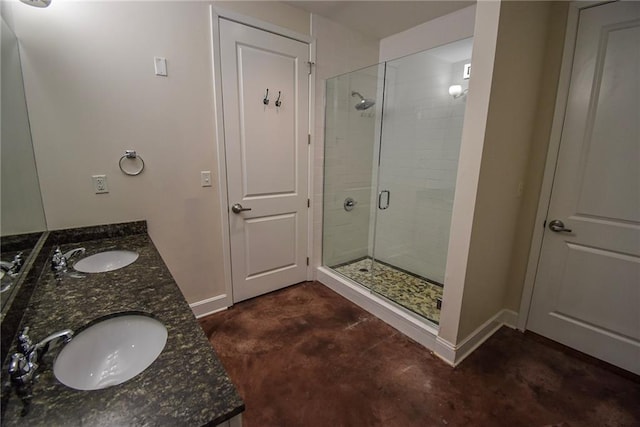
349,150
421,134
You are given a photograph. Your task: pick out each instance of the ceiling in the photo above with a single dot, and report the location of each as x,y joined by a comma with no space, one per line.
380,19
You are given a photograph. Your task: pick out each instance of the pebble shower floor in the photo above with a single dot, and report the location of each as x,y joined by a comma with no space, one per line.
410,291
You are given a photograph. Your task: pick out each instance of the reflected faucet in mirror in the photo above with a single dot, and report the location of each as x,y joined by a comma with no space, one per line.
9,271
12,268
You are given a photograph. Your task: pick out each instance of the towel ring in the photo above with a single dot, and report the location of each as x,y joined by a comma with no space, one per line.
131,154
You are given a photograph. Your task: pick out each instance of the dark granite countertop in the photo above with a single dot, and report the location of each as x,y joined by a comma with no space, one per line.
185,385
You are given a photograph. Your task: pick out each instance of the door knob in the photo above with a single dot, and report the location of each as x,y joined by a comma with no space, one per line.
558,226
237,208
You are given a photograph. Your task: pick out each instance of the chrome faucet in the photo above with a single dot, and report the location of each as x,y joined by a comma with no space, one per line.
73,252
65,335
25,362
59,261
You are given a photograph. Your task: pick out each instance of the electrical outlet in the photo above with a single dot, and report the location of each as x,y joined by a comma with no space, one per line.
100,184
205,178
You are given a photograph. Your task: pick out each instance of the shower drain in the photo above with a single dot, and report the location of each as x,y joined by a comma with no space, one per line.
364,270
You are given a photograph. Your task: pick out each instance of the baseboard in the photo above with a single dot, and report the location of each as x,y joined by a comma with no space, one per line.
420,332
209,306
445,351
454,354
510,318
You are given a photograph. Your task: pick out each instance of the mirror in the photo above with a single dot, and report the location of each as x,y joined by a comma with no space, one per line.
22,219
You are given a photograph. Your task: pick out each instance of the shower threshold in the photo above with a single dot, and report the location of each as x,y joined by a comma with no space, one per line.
416,327
414,293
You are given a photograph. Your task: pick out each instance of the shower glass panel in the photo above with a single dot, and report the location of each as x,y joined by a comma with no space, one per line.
351,149
400,157
420,146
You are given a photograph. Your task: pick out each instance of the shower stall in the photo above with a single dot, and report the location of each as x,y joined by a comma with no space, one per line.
392,142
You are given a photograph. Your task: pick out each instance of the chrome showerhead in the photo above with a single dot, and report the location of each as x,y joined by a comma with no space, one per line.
364,103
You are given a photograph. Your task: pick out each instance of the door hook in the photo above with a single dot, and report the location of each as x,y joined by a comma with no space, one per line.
265,100
278,103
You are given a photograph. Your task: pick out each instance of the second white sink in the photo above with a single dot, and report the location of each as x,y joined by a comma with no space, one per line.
110,352
105,261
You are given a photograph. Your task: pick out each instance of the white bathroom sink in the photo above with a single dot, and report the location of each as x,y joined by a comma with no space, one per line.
110,352
105,261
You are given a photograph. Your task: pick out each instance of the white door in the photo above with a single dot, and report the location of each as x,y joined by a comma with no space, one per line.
587,289
267,157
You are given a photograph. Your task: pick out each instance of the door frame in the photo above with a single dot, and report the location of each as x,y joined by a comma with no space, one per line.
562,97
217,13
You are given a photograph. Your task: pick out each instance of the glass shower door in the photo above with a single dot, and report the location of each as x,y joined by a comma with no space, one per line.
418,160
350,159
392,142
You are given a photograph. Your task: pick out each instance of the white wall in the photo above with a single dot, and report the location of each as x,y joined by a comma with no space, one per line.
537,153
473,137
92,93
496,144
510,125
445,29
274,12
339,50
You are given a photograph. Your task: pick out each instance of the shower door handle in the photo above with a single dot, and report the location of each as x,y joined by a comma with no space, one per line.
388,199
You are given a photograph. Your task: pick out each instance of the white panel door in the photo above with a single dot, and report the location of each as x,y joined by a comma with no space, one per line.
267,157
587,290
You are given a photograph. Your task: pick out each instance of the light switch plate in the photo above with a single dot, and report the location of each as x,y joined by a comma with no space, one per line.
205,178
160,65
